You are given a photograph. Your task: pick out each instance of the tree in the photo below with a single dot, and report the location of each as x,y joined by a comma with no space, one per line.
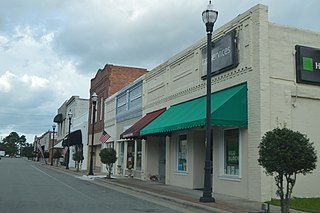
13,143
108,156
78,156
10,143
57,156
46,154
27,151
284,153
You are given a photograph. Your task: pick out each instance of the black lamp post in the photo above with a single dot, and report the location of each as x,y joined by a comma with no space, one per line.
94,98
68,150
209,17
53,128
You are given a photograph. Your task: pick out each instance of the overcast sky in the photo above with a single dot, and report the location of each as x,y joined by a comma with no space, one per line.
50,49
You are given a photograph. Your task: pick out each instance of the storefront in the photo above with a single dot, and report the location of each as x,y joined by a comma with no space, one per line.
136,145
128,110
183,124
254,89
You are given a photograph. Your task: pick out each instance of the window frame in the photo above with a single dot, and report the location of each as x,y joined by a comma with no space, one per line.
184,171
222,159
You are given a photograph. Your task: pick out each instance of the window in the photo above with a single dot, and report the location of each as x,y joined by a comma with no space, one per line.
121,103
121,153
182,155
101,108
130,155
135,97
110,145
231,152
139,154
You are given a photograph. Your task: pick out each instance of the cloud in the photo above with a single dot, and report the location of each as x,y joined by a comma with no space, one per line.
34,80
5,82
137,33
50,50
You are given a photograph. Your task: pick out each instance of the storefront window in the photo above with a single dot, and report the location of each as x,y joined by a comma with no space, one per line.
110,145
139,154
182,154
130,155
121,154
231,152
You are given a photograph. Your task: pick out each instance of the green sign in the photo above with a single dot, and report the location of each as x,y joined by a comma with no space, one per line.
307,65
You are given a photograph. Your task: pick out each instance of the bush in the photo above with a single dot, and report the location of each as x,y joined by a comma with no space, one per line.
285,153
108,156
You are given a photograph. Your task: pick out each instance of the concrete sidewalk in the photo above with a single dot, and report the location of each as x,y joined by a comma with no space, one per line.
222,204
188,197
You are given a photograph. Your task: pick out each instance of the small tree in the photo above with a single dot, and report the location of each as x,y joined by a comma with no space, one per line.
57,156
108,156
78,156
46,155
285,153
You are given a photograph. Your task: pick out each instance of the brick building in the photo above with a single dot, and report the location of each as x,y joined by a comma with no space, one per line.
106,82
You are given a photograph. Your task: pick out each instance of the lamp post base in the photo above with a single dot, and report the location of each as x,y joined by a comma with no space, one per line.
207,199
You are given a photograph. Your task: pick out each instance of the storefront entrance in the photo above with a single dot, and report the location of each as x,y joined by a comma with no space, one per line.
162,160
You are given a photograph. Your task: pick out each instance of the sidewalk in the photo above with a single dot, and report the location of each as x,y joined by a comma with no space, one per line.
188,197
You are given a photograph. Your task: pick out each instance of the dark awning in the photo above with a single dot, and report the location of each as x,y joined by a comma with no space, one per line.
58,118
229,107
134,130
75,138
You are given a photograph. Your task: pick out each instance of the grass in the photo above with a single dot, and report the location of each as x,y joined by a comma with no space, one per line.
302,204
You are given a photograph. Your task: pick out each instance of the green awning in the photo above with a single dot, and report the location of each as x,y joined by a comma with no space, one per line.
228,108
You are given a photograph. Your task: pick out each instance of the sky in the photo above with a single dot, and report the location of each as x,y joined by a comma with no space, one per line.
50,49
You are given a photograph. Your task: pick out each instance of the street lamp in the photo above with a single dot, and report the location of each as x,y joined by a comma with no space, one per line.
209,17
68,150
53,128
94,98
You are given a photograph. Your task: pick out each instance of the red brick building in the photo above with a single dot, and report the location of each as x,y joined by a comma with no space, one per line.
106,82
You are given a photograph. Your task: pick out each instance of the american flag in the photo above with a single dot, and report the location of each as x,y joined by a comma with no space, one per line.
104,137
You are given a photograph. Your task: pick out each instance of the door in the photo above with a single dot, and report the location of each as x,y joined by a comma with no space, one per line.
162,160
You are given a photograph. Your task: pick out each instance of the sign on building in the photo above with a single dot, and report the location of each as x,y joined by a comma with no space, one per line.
224,55
307,65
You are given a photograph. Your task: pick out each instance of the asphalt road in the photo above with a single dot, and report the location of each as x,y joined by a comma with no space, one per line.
28,187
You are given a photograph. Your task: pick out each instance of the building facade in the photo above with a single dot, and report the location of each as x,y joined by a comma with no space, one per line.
76,108
129,111
80,122
106,82
255,88
43,146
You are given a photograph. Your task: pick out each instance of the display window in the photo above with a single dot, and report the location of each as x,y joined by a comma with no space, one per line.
182,154
231,152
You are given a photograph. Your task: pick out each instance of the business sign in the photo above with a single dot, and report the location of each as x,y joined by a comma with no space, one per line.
307,65
224,55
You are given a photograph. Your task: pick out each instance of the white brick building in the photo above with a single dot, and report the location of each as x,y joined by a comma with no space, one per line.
265,66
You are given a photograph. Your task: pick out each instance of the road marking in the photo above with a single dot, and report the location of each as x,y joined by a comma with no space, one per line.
59,181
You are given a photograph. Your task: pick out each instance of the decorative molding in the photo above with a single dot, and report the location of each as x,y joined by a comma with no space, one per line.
196,88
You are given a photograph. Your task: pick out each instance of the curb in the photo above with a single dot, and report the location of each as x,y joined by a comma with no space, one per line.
169,198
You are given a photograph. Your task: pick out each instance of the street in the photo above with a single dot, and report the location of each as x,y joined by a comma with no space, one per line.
27,187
